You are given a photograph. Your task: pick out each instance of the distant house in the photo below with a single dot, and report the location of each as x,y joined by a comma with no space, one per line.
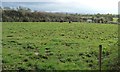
89,20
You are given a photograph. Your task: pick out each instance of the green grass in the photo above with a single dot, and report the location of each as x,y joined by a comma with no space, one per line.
72,46
115,19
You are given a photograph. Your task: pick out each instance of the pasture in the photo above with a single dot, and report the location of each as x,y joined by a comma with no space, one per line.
58,46
115,19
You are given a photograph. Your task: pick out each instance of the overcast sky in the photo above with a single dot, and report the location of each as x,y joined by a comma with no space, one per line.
72,6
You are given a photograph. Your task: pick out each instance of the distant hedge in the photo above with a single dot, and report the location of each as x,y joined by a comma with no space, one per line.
28,16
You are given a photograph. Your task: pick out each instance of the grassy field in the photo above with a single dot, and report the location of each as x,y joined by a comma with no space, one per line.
115,19
61,46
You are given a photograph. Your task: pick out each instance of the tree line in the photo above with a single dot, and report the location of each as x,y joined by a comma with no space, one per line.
22,14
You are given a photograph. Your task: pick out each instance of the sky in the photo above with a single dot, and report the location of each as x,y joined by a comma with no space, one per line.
70,6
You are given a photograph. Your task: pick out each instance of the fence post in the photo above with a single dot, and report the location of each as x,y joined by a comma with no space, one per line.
100,55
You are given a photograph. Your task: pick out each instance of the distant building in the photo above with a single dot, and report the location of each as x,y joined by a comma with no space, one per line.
89,20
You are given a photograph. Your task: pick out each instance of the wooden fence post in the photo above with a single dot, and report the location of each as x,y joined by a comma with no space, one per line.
100,55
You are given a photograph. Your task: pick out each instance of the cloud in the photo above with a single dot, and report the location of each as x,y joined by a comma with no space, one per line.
28,0
80,6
